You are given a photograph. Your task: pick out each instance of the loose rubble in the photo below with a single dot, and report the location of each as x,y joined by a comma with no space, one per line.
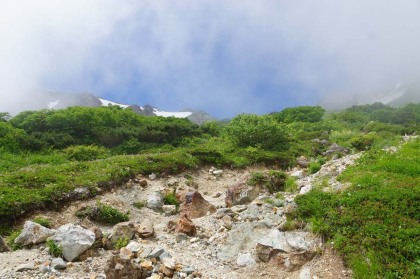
222,229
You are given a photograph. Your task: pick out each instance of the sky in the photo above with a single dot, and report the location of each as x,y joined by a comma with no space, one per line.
223,57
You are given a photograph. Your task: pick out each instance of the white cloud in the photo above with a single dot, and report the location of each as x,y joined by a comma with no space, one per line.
212,55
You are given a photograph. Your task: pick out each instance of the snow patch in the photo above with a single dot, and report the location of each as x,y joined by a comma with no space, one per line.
182,114
107,103
51,105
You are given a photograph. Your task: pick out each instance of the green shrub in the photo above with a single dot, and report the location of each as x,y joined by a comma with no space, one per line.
291,184
257,131
300,114
363,142
54,249
85,153
10,240
102,213
314,167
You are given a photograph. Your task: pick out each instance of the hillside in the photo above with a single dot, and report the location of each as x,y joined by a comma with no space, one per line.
293,194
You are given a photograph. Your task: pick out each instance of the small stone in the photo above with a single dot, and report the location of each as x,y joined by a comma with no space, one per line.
134,247
154,201
188,269
152,176
245,259
169,209
165,254
181,237
156,253
227,222
145,229
45,267
217,172
169,262
143,183
217,195
147,264
25,267
126,254
58,263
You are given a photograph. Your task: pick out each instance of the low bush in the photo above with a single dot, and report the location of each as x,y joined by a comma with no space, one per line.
102,213
85,152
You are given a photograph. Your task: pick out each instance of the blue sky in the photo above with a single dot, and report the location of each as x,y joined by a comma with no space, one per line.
223,57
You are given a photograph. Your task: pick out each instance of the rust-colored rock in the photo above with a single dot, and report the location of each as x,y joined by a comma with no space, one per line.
196,206
186,226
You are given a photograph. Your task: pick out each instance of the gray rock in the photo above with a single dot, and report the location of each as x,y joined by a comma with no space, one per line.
58,263
169,209
299,241
33,233
245,259
74,240
169,262
156,253
298,174
188,269
25,267
303,162
242,238
152,176
276,240
154,201
165,254
123,230
305,273
134,247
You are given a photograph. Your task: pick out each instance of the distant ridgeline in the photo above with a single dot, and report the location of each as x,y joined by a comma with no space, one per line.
59,100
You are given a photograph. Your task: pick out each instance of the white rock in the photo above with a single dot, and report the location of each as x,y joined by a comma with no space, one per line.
154,201
74,240
33,233
245,259
152,176
134,246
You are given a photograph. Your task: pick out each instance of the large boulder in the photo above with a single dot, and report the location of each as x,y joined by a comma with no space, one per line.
196,206
33,233
74,240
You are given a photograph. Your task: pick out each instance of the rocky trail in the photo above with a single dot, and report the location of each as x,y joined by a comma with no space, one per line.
204,239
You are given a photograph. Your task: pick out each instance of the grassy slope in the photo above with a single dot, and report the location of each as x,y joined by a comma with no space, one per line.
375,223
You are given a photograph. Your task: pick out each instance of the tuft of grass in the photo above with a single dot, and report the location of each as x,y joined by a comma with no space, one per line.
121,242
54,249
314,167
139,204
171,199
43,222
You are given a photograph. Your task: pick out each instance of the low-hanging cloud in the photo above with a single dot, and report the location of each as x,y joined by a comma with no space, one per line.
225,57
